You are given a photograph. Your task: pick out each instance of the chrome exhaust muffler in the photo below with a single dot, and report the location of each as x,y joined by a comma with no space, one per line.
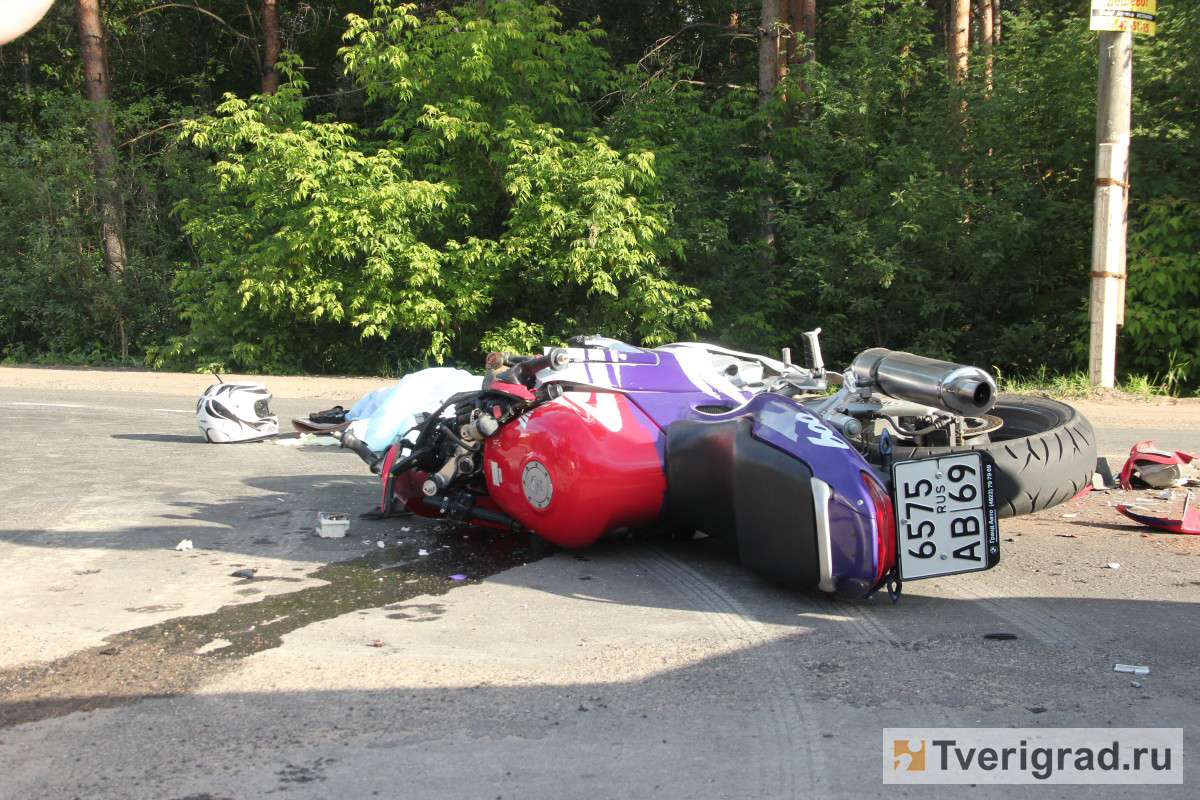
968,391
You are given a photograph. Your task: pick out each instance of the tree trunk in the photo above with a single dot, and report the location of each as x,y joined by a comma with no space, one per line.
94,55
271,47
26,79
960,27
808,26
983,11
995,22
769,61
769,64
98,91
801,19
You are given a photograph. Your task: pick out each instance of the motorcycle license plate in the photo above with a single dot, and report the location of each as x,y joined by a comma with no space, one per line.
945,515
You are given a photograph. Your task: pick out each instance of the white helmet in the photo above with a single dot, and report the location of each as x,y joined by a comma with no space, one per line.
236,412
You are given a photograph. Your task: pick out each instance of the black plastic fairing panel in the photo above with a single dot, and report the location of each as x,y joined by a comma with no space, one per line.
723,481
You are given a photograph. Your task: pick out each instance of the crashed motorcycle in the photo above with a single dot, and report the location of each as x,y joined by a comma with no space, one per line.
895,470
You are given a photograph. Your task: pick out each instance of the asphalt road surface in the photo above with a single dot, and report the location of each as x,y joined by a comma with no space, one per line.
639,668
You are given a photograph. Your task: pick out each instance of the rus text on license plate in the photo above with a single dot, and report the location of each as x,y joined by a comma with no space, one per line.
945,515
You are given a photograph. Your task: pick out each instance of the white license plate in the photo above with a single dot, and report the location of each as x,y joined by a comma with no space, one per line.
945,515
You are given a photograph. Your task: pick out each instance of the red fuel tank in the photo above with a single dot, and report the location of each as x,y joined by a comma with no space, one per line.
578,467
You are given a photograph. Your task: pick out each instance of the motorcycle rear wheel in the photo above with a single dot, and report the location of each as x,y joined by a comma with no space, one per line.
1045,453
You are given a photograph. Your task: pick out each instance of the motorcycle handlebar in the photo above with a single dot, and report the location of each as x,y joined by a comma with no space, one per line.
352,442
525,372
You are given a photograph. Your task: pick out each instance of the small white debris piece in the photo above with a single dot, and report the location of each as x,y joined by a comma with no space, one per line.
1131,668
380,545
422,552
186,544
405,530
1114,565
1070,516
215,644
306,439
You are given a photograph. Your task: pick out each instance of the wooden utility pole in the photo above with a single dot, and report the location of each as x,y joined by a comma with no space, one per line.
1107,307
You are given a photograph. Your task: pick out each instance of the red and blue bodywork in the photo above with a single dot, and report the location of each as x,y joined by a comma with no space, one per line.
632,438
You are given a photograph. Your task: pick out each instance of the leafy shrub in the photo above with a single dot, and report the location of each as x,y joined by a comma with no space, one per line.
482,204
1162,328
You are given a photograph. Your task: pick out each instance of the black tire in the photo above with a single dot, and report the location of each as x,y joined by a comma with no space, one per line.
1045,453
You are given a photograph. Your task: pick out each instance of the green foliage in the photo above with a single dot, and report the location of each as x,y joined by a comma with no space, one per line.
712,183
449,179
482,205
56,302
1162,329
913,225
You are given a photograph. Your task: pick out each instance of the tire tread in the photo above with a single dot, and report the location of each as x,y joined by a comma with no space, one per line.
1038,470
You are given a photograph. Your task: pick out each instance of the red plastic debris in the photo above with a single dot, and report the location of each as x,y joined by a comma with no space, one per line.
1143,458
1190,523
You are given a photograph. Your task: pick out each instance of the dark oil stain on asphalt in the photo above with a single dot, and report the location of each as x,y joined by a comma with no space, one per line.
161,660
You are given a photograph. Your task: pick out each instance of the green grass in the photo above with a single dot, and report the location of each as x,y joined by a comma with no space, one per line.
1077,386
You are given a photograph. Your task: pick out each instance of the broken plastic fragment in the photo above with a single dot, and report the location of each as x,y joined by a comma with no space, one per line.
1158,469
422,552
1113,565
186,544
458,577
1188,523
243,573
1131,668
380,545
